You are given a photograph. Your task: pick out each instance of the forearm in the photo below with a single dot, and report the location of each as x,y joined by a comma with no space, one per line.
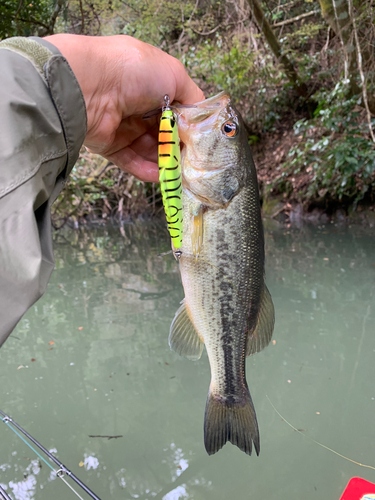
42,127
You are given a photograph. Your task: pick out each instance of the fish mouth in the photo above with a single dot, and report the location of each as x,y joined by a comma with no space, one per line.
204,109
204,117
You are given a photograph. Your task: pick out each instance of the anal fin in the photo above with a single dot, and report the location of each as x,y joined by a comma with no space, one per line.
183,337
261,335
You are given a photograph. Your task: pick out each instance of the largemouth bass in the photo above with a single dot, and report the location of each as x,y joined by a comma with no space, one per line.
227,306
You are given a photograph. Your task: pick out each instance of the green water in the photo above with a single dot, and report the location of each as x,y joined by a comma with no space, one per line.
91,358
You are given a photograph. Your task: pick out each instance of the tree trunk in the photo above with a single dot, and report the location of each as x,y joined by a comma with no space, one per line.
275,46
338,18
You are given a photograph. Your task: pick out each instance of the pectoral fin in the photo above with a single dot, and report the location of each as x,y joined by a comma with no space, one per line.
261,335
196,230
183,337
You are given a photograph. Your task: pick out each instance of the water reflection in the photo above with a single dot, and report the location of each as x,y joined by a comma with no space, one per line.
25,488
92,359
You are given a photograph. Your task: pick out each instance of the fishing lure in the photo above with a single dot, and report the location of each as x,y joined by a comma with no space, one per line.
170,172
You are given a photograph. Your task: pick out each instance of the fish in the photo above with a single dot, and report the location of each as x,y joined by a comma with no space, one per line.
227,307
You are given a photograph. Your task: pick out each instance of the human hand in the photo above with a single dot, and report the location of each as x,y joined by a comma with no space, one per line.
121,79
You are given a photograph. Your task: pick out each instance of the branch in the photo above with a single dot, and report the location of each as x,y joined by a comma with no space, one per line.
31,20
275,46
48,30
295,19
65,219
289,4
217,27
82,16
207,32
131,7
18,9
360,68
344,48
193,12
182,32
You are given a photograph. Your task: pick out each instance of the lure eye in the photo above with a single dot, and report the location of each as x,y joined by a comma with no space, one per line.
230,129
172,122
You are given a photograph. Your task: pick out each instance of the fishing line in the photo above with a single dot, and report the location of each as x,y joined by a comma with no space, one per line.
317,442
5,420
62,469
60,475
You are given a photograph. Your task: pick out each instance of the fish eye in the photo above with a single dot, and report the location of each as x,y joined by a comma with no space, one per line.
230,129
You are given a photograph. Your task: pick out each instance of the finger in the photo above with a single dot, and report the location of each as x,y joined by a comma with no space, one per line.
127,132
131,162
143,140
147,147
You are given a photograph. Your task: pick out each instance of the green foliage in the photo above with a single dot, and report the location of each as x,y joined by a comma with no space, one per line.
223,49
334,149
24,18
297,43
88,17
248,76
159,22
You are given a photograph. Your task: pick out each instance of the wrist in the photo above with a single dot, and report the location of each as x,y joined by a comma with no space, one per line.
86,56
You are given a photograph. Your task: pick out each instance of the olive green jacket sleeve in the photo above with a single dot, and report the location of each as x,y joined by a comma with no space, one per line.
42,128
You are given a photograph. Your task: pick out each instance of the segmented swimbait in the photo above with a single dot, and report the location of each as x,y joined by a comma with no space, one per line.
170,172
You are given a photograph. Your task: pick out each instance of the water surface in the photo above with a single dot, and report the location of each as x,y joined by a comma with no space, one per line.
91,358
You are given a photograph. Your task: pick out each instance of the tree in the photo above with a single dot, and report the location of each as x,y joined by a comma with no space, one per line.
28,17
275,46
346,23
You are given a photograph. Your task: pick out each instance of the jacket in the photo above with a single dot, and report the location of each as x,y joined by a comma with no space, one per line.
42,128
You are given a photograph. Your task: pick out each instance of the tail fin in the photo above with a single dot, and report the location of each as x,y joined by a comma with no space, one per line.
231,420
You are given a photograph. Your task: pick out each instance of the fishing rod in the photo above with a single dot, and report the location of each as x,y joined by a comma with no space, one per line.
62,469
4,494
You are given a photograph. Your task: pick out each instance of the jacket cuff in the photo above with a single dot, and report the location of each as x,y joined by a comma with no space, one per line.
68,99
63,87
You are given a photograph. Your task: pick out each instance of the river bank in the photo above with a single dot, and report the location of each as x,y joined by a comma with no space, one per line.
289,202
98,192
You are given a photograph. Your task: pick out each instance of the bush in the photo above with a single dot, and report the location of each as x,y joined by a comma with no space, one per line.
335,148
97,189
250,77
24,18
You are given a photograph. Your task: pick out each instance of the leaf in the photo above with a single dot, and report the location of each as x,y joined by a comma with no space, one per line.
352,160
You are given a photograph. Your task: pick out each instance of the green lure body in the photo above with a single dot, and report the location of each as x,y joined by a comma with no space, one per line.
170,174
